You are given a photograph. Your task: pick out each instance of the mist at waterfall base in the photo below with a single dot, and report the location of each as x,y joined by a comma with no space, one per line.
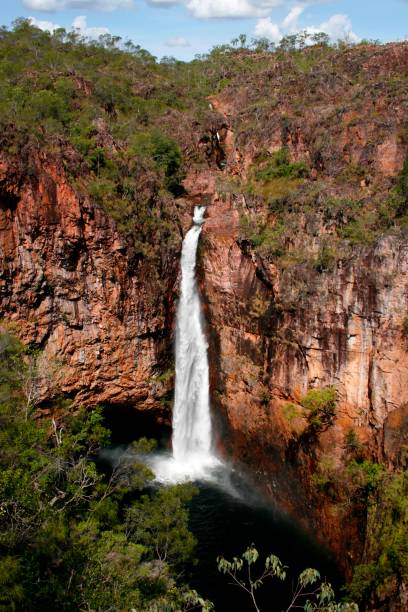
226,516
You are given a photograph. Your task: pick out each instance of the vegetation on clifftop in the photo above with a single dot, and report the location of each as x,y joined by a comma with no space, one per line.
126,129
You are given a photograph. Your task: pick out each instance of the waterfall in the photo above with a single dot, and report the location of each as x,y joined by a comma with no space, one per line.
191,413
192,457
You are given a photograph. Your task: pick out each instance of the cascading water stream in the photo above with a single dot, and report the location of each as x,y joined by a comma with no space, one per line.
191,415
193,457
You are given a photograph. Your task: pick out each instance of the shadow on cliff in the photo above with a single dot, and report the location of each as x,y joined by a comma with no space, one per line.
128,424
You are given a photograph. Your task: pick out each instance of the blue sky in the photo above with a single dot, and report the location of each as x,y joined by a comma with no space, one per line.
185,27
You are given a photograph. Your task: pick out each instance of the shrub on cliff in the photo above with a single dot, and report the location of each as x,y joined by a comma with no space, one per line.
166,155
401,189
321,404
278,165
405,326
383,575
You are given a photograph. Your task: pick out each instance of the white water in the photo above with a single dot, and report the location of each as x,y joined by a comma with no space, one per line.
193,457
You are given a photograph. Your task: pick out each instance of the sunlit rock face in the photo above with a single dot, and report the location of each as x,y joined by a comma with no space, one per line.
70,284
271,341
348,335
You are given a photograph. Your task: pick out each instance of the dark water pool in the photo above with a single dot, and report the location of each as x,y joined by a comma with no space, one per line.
225,525
225,520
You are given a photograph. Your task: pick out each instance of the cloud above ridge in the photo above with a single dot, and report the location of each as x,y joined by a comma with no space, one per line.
177,41
47,26
79,23
52,6
338,26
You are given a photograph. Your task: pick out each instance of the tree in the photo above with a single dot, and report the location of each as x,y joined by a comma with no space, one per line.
383,575
308,583
161,522
262,44
288,43
242,39
62,541
320,38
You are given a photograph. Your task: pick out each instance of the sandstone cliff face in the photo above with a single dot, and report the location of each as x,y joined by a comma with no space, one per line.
70,286
347,332
275,334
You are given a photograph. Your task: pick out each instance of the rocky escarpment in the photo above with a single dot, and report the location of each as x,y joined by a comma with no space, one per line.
283,323
71,284
350,337
303,267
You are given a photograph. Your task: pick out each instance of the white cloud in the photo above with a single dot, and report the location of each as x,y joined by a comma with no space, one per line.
200,9
266,29
47,26
163,3
290,23
58,5
80,24
337,26
43,5
213,9
177,41
209,9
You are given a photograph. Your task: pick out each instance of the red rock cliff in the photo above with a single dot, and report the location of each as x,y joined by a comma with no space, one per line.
70,284
278,330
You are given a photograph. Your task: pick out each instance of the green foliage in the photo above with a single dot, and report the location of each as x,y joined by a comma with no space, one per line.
279,166
361,222
324,478
276,190
365,475
165,153
160,522
88,97
11,589
242,572
384,572
326,258
378,499
63,544
266,238
360,229
291,411
405,326
321,404
401,189
47,104
352,442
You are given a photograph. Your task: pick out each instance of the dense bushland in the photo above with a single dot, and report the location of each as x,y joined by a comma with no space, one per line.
127,128
72,536
77,536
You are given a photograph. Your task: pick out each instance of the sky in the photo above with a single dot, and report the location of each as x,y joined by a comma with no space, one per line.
184,28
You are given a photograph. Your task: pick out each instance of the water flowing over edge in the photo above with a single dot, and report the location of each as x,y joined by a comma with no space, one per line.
193,456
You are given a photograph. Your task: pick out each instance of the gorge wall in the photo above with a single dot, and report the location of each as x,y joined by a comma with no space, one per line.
70,285
285,324
313,307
